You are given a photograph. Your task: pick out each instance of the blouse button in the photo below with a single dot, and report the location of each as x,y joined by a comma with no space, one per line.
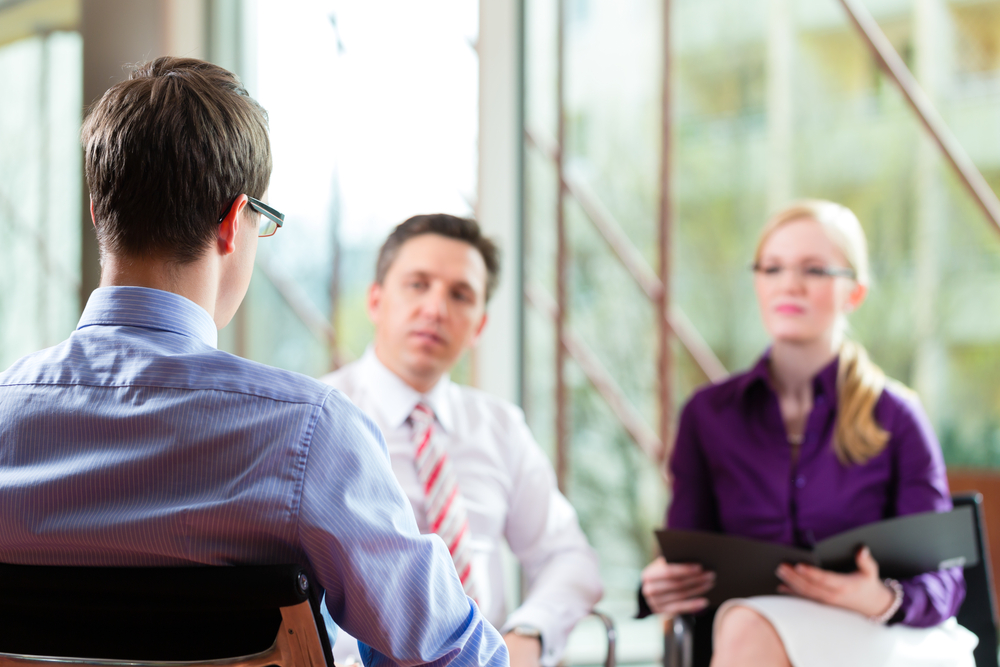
800,481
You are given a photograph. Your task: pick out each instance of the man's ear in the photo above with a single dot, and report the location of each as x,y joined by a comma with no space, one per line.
229,228
479,330
374,301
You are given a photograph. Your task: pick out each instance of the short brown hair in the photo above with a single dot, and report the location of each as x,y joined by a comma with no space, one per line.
450,226
167,151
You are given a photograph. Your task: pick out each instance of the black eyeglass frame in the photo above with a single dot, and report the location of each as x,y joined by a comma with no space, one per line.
272,214
825,271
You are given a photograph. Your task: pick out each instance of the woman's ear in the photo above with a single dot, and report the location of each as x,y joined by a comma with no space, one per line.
856,297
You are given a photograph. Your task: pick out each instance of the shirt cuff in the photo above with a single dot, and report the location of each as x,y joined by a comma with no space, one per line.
931,598
644,608
552,648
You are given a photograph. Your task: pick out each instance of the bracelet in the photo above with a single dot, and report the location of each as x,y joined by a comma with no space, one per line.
897,590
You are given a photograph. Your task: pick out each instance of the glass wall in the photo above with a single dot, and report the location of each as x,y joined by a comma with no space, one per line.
40,181
373,118
771,100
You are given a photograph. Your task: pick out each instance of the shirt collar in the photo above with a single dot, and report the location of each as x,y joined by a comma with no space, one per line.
148,308
824,382
757,374
397,399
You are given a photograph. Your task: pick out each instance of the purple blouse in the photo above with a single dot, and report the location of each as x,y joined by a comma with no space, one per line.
733,473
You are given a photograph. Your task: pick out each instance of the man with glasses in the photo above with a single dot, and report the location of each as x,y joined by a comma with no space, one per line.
136,442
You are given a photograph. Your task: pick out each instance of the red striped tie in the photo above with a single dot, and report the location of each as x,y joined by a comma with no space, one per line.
443,502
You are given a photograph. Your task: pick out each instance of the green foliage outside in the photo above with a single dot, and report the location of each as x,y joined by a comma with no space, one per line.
930,320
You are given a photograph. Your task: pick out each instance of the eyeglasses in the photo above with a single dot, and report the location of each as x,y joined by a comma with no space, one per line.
274,220
806,273
269,226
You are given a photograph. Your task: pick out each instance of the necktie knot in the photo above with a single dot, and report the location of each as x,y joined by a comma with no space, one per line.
422,414
422,421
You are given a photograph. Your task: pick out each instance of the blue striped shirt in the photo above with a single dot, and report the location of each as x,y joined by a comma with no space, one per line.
137,442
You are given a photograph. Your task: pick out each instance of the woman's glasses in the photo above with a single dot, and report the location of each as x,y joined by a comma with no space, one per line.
809,273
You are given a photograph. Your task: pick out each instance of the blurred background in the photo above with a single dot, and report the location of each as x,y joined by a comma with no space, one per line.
545,119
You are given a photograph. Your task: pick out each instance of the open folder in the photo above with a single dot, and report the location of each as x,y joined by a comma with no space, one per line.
903,547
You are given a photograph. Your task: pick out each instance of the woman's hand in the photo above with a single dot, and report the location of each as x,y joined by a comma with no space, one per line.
673,588
860,591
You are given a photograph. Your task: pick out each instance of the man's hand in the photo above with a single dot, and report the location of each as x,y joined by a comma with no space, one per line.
860,591
673,588
524,651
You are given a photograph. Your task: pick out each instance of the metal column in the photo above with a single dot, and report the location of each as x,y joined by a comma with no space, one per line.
562,412
664,361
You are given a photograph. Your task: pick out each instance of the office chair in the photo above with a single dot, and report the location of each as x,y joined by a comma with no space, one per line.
979,610
241,616
687,641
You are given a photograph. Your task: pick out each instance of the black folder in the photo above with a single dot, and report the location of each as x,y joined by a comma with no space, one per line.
903,546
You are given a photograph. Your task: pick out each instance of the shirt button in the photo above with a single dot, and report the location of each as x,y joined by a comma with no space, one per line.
800,481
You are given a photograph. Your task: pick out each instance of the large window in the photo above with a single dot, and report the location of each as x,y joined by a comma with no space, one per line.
40,180
373,118
770,100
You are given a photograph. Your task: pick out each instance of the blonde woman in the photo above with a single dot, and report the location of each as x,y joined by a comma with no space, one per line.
810,442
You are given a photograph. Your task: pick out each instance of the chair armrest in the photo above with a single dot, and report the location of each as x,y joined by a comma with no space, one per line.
678,642
609,627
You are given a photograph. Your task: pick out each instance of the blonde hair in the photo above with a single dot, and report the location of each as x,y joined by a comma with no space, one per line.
857,436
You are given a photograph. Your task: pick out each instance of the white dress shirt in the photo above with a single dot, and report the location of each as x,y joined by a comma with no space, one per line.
509,489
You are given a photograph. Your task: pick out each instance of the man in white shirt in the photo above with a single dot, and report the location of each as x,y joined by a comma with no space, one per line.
434,275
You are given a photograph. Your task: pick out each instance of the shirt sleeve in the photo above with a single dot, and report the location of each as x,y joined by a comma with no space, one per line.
692,504
561,568
922,486
392,588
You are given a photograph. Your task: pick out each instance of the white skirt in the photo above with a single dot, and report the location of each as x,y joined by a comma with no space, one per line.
818,635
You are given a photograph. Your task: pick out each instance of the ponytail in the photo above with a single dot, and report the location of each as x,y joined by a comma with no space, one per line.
857,437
